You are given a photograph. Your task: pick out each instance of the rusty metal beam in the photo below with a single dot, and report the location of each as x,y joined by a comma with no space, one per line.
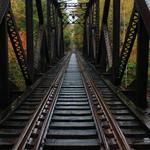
17,45
116,37
142,66
102,52
143,7
3,64
29,32
97,30
91,52
127,46
108,46
40,11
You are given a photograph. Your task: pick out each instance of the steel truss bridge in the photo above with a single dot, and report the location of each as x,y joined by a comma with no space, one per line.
74,100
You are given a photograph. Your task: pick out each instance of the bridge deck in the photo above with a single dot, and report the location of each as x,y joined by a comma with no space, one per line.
73,108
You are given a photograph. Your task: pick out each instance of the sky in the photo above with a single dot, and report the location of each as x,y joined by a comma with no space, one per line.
148,3
73,1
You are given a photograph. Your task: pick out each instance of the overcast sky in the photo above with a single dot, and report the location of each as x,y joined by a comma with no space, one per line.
73,1
70,18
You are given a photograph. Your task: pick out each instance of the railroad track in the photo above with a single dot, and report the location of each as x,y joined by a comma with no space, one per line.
75,115
74,119
136,133
22,110
69,123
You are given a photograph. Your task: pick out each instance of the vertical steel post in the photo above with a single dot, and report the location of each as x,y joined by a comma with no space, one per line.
97,27
49,29
29,33
116,37
53,33
101,56
90,34
56,33
86,46
40,11
62,39
142,66
84,51
3,64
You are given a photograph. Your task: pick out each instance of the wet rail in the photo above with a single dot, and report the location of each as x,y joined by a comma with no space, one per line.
130,121
23,109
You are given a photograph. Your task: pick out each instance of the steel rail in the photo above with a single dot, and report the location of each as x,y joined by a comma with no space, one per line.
41,139
40,142
94,114
29,128
122,143
49,116
99,129
13,106
119,136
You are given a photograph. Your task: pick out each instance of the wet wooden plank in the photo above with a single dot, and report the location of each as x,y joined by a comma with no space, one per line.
76,125
72,118
59,133
72,142
72,112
